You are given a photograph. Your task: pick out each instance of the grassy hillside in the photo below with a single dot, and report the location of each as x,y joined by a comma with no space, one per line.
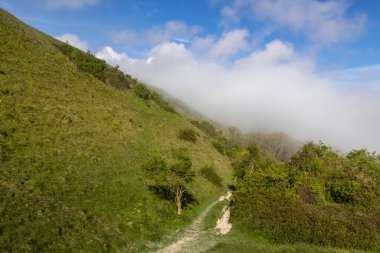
73,138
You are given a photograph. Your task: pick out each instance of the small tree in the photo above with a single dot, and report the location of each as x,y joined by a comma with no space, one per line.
170,178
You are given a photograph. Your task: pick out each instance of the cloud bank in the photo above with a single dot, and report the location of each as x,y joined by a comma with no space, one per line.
272,89
235,80
229,44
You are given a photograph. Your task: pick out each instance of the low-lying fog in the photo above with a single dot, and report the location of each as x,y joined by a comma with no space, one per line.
272,89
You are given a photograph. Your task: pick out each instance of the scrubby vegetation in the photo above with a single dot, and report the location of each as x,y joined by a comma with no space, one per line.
207,128
221,141
188,135
318,197
142,91
219,147
209,173
87,63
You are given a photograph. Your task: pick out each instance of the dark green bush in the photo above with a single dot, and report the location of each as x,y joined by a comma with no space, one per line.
209,173
206,127
89,64
219,147
84,61
285,221
141,91
117,79
188,135
318,197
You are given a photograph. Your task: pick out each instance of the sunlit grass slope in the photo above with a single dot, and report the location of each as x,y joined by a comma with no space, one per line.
71,148
248,242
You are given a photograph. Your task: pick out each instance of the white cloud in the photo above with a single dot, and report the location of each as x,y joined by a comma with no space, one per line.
229,44
273,89
73,40
321,21
231,12
275,52
202,44
172,30
112,57
72,4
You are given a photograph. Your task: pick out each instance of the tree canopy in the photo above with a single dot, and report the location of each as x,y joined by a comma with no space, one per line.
169,177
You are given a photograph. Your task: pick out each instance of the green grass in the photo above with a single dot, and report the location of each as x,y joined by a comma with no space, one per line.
214,214
71,149
248,242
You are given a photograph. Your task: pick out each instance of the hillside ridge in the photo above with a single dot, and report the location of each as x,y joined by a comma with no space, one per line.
72,144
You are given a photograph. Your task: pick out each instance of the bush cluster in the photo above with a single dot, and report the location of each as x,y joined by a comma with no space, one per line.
188,135
220,142
285,221
141,91
319,197
144,93
219,147
89,64
207,128
209,173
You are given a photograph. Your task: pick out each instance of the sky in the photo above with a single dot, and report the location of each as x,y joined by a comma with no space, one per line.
309,68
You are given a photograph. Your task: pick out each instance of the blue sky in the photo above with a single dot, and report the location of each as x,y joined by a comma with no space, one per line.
310,68
97,22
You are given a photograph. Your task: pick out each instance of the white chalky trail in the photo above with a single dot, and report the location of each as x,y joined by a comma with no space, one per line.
194,232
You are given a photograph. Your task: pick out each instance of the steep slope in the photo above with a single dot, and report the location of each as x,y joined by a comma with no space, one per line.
71,150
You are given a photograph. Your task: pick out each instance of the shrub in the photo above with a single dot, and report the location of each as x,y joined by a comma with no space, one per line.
318,197
89,64
84,61
188,135
206,127
142,91
117,79
171,179
219,147
285,221
209,173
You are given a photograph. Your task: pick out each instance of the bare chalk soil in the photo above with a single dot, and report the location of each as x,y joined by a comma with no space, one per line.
195,238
